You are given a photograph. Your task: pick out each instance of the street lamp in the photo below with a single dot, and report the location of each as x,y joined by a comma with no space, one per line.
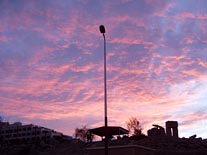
102,30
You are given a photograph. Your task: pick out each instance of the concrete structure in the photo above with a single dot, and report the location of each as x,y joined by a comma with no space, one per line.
17,133
172,129
156,131
122,150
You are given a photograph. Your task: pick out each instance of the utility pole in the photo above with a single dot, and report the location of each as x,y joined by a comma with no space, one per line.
102,30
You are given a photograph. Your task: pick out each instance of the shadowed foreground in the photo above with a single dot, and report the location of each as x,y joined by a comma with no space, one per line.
54,148
163,146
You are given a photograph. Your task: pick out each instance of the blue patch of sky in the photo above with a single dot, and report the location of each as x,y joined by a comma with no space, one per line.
1,118
93,6
197,52
194,6
197,104
65,56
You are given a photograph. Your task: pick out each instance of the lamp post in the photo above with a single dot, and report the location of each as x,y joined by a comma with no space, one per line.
102,30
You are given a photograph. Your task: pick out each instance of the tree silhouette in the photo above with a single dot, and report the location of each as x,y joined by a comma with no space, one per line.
83,134
134,126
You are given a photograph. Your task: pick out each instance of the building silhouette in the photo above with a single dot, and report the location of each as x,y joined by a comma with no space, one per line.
171,128
17,133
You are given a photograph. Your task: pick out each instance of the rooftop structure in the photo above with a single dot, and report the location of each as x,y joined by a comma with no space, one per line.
112,131
171,130
156,131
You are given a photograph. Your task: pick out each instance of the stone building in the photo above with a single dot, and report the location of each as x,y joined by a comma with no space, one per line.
156,131
171,128
17,133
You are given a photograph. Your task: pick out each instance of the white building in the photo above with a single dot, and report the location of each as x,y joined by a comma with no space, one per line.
18,133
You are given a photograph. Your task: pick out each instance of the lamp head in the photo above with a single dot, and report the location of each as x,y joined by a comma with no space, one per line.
102,29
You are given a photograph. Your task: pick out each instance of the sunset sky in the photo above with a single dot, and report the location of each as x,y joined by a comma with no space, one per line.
51,63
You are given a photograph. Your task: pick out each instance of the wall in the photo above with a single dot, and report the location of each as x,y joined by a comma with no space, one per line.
122,150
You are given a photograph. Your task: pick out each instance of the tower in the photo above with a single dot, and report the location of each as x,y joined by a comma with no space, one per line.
172,129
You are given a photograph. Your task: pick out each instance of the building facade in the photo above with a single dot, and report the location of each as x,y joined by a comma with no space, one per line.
17,133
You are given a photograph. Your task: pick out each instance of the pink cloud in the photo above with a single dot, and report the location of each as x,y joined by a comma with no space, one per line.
152,70
188,40
187,15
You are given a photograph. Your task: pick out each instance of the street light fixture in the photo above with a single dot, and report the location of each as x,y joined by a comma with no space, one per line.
102,30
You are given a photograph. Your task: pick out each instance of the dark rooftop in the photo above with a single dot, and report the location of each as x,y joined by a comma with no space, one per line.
112,131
